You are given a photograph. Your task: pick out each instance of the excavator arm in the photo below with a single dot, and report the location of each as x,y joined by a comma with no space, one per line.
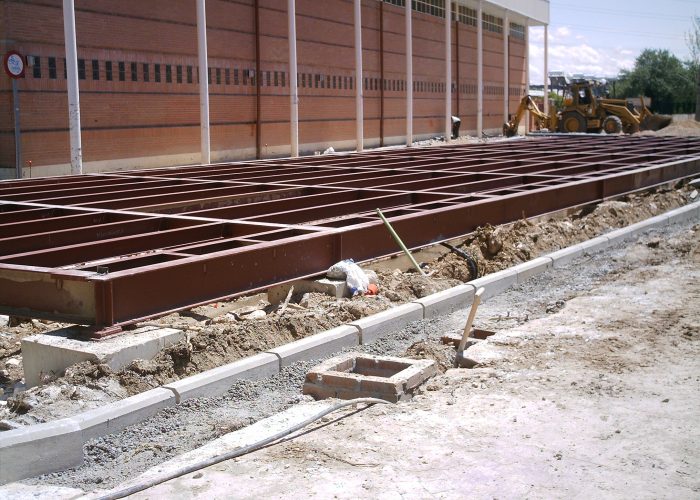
527,103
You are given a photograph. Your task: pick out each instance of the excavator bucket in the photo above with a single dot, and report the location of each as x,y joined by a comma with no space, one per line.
655,122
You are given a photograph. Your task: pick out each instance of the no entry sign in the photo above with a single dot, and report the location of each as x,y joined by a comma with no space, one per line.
14,64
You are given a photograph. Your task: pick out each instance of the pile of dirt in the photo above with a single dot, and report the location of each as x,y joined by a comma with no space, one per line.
497,248
680,128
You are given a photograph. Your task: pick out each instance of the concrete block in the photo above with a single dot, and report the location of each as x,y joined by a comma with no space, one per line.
683,214
317,346
563,257
394,319
594,244
332,288
528,269
51,353
120,414
495,283
39,449
446,301
634,230
217,381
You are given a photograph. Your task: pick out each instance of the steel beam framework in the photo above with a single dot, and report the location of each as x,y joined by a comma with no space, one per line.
111,249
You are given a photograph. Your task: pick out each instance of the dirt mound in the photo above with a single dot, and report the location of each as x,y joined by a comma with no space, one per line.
443,355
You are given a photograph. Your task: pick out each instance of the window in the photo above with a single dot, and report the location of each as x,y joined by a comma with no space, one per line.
65,69
81,69
268,77
108,71
146,73
36,66
189,74
431,7
235,76
156,77
227,76
245,77
351,80
209,76
334,81
168,73
517,31
122,71
283,78
95,69
134,73
178,73
277,79
465,15
52,68
493,24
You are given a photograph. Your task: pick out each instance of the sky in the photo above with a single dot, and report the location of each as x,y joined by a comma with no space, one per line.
602,37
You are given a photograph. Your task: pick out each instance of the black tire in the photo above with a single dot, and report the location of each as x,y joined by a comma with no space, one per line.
612,125
572,122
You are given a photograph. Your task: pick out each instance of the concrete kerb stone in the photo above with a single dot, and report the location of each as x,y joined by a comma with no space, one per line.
120,414
317,346
446,301
636,229
528,269
685,213
394,319
217,381
495,283
39,449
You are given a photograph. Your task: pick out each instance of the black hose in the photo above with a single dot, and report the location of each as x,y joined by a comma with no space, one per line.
243,450
471,262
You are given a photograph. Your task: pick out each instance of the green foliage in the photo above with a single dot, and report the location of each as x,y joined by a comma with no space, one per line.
668,81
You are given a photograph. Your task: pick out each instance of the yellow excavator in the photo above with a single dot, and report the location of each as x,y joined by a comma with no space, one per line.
583,111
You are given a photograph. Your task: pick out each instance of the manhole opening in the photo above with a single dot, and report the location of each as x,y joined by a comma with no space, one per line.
370,367
481,334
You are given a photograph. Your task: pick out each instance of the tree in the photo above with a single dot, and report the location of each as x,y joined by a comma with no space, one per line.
664,78
692,39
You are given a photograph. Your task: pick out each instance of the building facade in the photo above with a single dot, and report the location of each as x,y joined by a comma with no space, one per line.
139,78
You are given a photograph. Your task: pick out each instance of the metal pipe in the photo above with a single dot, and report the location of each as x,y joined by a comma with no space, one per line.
506,67
399,242
293,88
18,136
448,71
258,84
76,149
359,111
409,74
203,81
480,71
381,73
527,71
457,90
546,70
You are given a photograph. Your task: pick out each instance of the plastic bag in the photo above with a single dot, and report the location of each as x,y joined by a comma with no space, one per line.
353,275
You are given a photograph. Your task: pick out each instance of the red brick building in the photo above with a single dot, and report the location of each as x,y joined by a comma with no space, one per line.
139,91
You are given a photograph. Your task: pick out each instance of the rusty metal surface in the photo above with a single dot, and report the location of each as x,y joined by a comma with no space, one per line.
113,248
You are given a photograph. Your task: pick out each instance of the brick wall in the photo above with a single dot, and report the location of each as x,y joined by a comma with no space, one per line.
139,94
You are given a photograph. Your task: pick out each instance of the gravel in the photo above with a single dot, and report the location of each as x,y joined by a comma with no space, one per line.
112,459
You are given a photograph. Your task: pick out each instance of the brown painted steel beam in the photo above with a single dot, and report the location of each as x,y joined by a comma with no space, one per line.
112,249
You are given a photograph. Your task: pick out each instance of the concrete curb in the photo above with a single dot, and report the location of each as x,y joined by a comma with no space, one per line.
217,381
58,445
317,346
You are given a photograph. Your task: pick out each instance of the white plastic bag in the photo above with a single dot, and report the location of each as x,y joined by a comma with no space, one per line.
353,275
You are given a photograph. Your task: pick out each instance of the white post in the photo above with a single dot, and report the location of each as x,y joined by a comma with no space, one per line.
546,70
359,110
409,74
203,81
76,149
506,67
480,71
527,71
293,89
448,70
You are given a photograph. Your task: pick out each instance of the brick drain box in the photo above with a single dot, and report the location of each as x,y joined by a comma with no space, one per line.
356,375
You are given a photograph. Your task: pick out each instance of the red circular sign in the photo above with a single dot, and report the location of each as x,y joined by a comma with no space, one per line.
14,64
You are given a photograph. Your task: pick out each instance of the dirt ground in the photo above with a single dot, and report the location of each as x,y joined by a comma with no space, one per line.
222,332
588,389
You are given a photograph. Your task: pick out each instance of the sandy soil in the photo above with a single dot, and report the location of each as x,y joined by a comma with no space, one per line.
599,399
220,333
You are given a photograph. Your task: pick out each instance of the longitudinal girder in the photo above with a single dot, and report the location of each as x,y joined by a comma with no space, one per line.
113,248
